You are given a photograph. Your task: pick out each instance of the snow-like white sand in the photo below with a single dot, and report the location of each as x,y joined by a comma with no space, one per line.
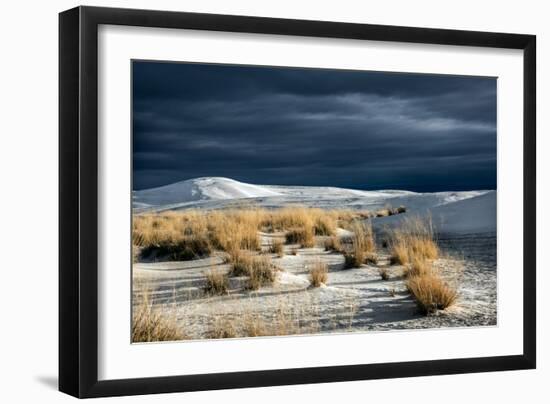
473,214
353,300
199,189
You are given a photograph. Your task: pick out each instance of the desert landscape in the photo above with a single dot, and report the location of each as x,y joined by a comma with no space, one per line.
218,258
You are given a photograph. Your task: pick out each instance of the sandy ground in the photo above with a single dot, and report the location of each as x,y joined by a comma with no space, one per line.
353,300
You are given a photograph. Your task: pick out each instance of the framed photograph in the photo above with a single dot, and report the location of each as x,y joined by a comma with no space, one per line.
251,201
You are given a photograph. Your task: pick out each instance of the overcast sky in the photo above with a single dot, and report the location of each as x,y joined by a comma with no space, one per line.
288,126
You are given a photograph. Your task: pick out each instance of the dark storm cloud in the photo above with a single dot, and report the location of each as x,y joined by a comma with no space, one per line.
313,127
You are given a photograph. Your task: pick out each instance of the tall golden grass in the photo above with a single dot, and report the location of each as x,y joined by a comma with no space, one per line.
258,268
318,274
152,325
431,292
277,247
184,235
414,240
362,244
304,236
418,267
261,273
216,283
333,243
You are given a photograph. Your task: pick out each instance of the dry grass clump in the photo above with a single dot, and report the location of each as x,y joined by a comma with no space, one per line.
384,273
186,248
277,247
390,211
325,224
217,282
304,236
150,325
255,326
320,222
235,229
418,267
262,273
363,236
318,274
333,244
371,258
362,244
431,292
289,217
414,240
383,212
173,235
222,328
185,235
353,259
400,254
241,262
259,269
167,227
192,234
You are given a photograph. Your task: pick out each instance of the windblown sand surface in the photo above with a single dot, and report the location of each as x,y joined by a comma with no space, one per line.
353,300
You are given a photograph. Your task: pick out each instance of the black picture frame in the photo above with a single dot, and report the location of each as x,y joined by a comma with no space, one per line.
78,201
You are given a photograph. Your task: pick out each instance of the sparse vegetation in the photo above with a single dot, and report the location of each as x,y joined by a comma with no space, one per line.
400,254
384,273
195,234
413,240
186,248
255,325
371,258
318,274
152,325
261,273
303,236
418,267
431,292
383,212
333,244
362,245
222,328
277,247
217,282
259,269
241,262
352,260
325,224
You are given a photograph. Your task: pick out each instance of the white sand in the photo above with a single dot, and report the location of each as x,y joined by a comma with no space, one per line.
353,300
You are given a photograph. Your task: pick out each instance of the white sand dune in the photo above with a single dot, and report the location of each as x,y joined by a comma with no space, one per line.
464,211
476,214
216,192
199,189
